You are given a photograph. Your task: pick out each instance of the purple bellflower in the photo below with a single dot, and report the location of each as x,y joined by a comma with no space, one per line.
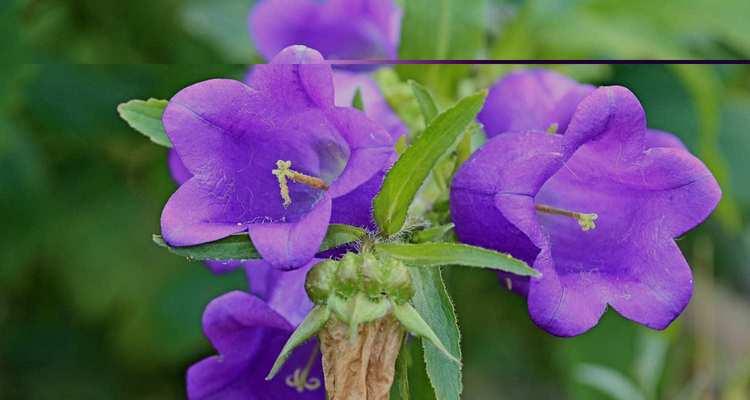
339,29
270,158
248,332
595,207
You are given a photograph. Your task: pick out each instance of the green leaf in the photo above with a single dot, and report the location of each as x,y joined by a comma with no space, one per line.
235,247
357,100
413,322
432,301
413,167
437,254
609,381
239,247
313,322
426,103
145,117
399,96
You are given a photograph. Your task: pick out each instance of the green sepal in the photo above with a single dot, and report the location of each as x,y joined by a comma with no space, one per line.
413,322
313,322
363,310
339,307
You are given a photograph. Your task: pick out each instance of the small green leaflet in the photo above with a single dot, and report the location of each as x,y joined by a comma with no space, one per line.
239,247
426,103
357,101
413,167
437,254
145,117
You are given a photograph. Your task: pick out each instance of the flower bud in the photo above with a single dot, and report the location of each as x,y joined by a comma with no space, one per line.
348,275
397,283
320,280
372,276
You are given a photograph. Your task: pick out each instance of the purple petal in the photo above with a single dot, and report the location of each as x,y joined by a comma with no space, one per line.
360,29
296,79
193,216
375,105
371,149
355,207
232,321
289,245
248,335
284,291
644,198
657,138
531,100
177,169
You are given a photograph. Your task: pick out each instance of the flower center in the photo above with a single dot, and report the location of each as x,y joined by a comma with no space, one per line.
552,128
586,221
299,379
284,173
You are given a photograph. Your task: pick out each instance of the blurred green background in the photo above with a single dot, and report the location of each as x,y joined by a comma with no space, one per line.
91,309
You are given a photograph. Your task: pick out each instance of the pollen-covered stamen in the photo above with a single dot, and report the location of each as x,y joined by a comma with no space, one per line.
284,173
300,379
585,220
552,128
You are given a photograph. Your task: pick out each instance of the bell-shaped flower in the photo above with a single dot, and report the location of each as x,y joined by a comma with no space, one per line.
268,157
594,203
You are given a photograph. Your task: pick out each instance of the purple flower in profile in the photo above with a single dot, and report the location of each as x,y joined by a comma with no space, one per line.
339,29
268,158
248,332
595,207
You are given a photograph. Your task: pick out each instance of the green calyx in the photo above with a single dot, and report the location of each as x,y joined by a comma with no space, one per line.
378,278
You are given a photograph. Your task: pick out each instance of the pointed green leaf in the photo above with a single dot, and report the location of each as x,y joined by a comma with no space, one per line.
145,117
239,247
425,101
403,181
364,310
433,303
313,322
436,254
413,322
357,100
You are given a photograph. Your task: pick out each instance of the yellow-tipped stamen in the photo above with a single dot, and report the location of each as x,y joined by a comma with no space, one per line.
585,220
300,379
552,128
284,171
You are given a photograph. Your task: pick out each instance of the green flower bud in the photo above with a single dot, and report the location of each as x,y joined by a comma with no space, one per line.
320,281
372,276
398,281
348,275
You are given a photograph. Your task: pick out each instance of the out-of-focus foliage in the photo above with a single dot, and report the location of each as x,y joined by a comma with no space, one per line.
91,308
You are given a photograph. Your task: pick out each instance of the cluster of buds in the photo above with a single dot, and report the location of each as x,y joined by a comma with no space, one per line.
355,290
360,287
